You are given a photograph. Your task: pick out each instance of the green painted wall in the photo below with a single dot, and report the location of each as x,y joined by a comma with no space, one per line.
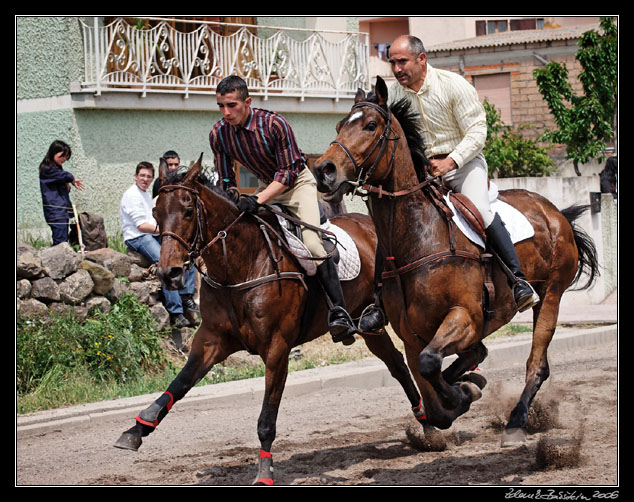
106,144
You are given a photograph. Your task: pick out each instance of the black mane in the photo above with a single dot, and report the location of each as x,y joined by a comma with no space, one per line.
408,118
176,177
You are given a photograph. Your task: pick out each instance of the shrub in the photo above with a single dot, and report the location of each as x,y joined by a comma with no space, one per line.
509,153
120,345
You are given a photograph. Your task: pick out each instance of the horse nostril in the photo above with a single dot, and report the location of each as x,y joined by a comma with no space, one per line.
326,169
174,272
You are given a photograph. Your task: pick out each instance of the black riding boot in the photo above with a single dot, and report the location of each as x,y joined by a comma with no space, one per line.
373,316
339,321
500,241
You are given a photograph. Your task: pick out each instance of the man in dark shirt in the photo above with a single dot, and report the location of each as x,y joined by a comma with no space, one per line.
265,144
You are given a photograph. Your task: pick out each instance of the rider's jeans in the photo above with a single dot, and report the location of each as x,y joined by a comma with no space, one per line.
149,246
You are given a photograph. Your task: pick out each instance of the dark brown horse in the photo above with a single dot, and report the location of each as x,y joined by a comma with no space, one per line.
433,284
255,297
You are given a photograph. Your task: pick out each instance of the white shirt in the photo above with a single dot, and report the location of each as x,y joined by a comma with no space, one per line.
452,119
136,208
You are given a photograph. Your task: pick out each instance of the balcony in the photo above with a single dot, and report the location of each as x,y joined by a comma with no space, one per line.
122,58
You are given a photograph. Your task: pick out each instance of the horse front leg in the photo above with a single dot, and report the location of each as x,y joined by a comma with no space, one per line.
207,350
467,361
383,348
276,370
456,333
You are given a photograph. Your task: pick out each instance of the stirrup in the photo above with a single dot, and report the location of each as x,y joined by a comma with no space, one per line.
344,330
530,300
366,312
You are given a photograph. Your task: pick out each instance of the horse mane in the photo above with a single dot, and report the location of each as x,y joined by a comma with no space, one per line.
408,118
176,177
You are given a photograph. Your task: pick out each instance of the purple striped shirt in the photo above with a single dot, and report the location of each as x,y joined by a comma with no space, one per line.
265,145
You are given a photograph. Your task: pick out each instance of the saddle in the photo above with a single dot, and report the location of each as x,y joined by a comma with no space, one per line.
294,228
337,243
460,203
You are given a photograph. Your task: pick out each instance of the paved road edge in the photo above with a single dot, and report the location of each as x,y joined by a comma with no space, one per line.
367,373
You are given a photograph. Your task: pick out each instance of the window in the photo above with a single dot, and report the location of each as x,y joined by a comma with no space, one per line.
496,88
502,25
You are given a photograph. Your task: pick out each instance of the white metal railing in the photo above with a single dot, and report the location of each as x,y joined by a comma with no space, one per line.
121,57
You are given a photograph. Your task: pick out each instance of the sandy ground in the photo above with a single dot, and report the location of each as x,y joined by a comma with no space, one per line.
351,436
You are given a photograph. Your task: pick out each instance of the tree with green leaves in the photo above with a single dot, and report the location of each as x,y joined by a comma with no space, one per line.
509,153
585,123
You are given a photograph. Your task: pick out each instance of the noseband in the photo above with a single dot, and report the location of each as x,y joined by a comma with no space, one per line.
195,249
381,144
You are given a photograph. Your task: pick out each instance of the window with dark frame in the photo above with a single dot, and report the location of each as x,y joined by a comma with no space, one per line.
487,27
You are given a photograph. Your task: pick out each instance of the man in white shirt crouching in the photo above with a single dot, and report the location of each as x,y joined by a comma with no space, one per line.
140,233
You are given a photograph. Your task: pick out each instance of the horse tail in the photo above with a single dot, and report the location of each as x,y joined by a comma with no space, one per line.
588,258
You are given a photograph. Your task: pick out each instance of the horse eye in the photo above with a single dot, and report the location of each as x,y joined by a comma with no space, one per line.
371,126
189,212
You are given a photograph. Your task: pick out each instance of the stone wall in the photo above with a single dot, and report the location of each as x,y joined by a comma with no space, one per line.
58,279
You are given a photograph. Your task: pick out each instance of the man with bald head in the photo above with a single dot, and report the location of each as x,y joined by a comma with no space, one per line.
453,127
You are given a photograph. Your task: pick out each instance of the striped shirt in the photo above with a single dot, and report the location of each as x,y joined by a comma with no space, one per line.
265,145
453,120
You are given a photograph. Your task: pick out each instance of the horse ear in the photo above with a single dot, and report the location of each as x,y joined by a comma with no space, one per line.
162,171
381,90
195,170
360,96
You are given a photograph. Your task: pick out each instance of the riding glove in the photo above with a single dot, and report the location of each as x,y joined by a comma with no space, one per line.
248,204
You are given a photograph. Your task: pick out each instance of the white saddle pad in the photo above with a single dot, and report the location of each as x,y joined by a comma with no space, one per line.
516,223
349,264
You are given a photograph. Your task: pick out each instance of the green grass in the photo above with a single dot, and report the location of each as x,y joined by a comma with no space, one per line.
65,362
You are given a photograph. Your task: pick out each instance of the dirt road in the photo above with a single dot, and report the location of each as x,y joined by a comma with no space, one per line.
352,436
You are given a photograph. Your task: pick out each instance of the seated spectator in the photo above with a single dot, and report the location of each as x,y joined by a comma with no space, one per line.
173,162
140,233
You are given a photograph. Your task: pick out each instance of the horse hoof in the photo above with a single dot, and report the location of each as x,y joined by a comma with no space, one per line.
472,389
128,441
513,437
475,378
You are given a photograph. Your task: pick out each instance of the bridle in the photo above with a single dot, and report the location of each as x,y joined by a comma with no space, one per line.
381,144
197,246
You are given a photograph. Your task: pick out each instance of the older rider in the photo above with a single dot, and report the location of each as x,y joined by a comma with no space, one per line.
453,127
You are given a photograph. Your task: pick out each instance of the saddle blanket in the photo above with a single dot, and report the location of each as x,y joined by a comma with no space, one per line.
349,264
516,223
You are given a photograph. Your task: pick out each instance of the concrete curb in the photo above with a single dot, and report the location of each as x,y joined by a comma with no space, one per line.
366,374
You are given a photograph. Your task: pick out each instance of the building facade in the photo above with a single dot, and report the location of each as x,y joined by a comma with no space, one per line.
124,90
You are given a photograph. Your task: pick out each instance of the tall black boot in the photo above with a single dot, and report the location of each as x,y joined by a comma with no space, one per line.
373,318
500,241
340,323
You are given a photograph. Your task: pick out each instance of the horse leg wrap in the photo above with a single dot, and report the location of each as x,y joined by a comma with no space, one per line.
419,412
265,469
153,414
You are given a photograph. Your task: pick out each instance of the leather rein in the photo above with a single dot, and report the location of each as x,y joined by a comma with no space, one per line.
198,246
380,192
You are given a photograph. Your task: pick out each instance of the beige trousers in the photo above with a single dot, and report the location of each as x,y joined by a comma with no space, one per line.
472,181
302,202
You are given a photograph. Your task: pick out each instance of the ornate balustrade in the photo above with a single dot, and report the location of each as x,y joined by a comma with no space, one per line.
121,57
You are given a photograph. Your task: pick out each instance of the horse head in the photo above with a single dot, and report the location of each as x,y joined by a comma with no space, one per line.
181,218
364,148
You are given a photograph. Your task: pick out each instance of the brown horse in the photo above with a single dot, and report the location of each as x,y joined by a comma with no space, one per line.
433,288
254,297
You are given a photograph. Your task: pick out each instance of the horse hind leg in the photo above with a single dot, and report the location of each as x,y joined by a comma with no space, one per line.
537,369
